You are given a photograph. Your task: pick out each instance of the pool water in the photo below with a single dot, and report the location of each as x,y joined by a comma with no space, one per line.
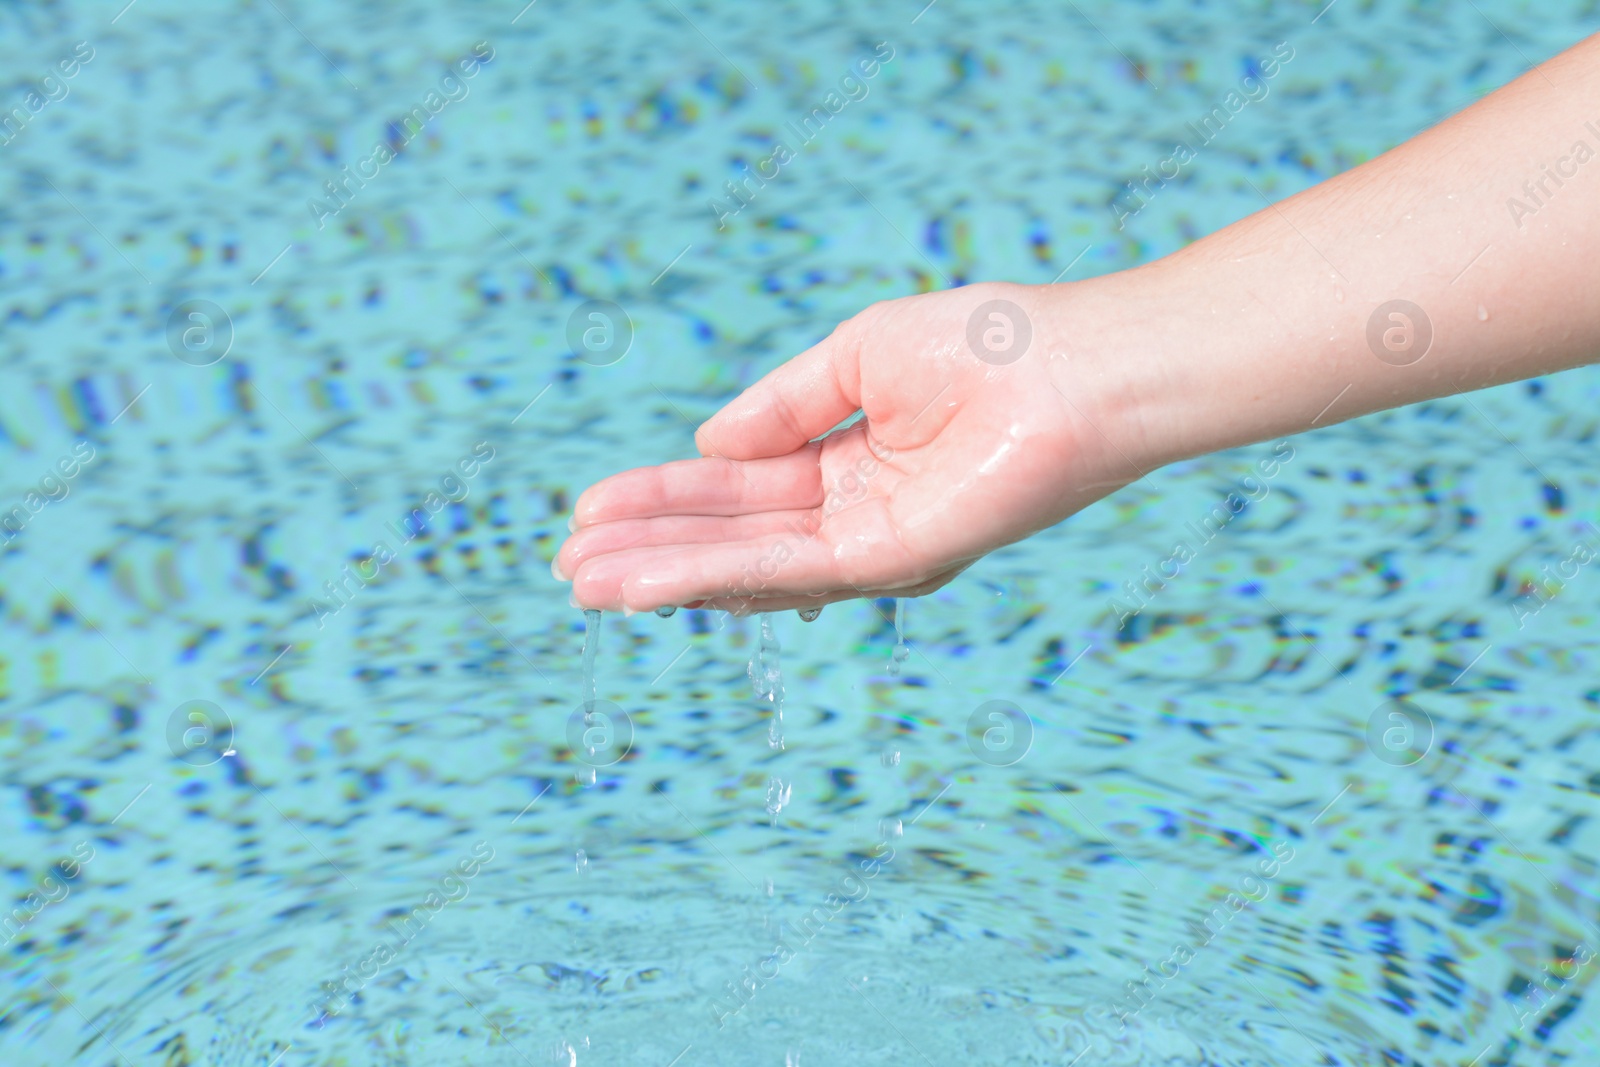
296,767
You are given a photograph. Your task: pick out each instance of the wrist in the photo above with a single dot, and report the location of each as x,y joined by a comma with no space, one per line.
1203,351
1119,357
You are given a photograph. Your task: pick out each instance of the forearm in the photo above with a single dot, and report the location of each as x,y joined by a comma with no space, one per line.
1489,223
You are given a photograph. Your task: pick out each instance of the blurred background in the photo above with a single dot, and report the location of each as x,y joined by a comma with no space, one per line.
300,374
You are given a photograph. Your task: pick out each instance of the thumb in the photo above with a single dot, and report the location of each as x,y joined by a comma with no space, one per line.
801,400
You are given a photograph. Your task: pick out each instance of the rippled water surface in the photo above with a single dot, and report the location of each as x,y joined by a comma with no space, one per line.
291,778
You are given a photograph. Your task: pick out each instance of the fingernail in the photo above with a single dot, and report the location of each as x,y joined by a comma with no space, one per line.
556,573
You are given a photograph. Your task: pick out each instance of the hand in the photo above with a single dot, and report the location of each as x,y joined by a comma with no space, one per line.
956,456
1250,334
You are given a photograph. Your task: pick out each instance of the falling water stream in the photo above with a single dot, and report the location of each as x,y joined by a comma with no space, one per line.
767,677
902,651
591,645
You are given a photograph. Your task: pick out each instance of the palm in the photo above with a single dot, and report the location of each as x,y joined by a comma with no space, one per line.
954,457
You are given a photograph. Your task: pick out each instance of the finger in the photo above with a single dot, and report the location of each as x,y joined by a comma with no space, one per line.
788,601
801,400
793,563
592,542
643,579
762,605
704,487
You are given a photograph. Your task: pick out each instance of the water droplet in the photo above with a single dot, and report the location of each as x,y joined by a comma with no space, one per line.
890,758
777,797
665,613
582,862
890,828
767,885
1483,313
809,614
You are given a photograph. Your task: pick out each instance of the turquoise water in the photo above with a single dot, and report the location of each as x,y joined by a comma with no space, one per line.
291,778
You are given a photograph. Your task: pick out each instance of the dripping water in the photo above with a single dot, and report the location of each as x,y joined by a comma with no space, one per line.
591,645
809,614
901,650
777,797
581,862
767,677
666,613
